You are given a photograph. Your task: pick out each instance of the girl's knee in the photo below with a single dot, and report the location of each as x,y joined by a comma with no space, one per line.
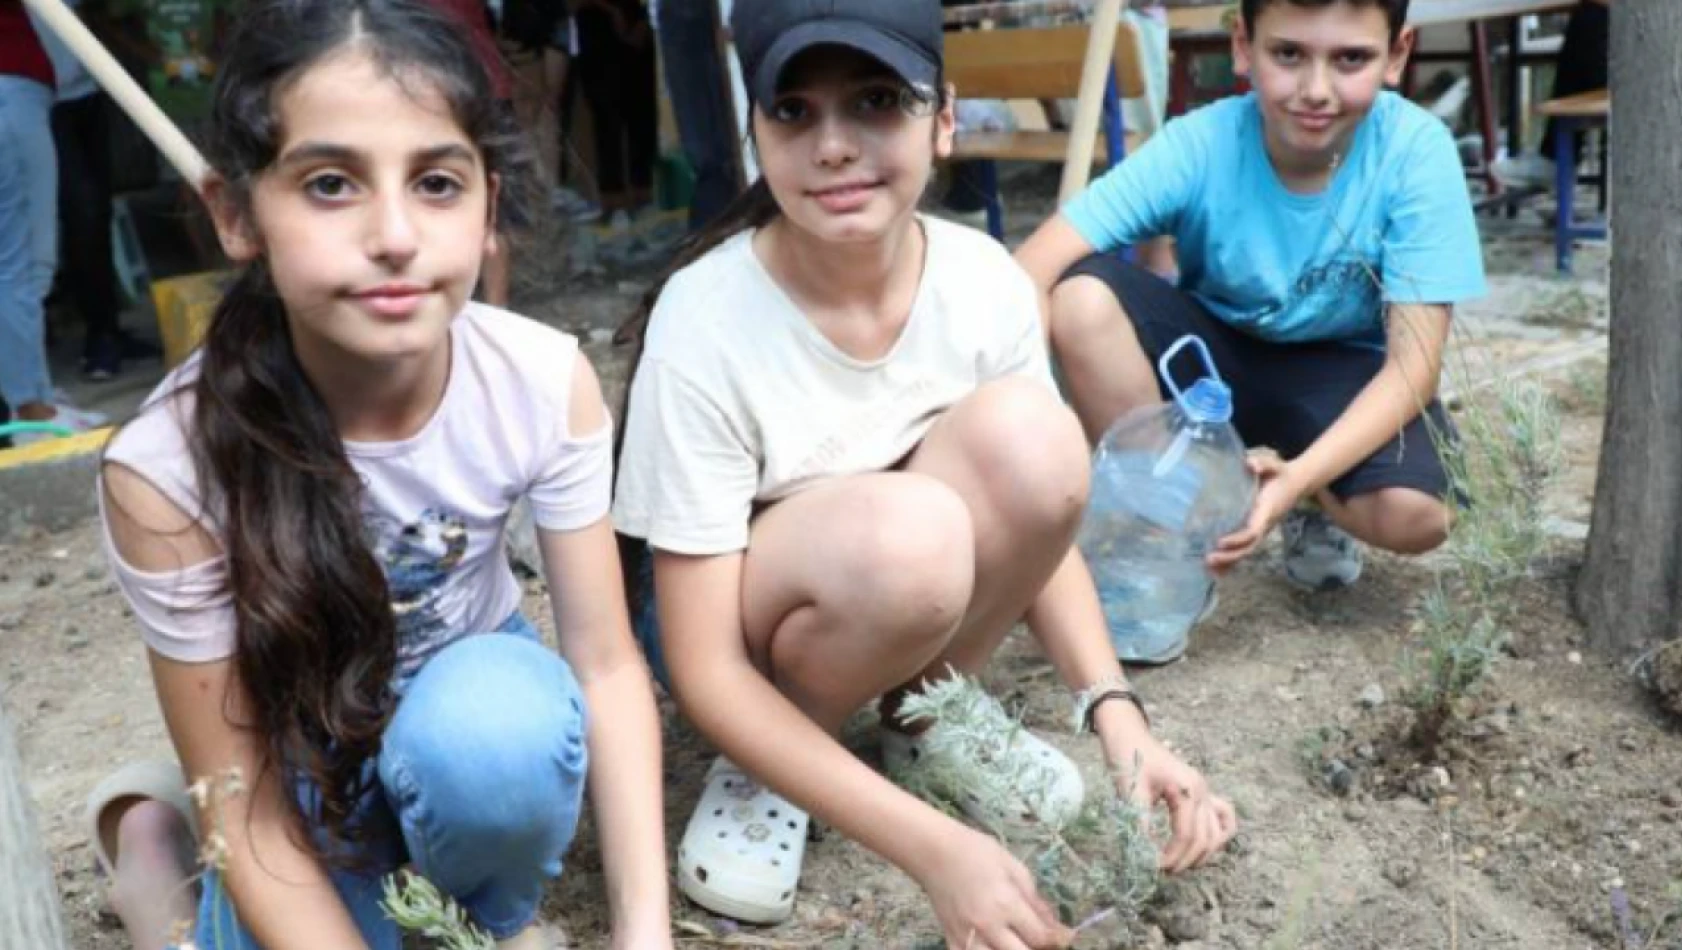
492,726
905,564
1029,449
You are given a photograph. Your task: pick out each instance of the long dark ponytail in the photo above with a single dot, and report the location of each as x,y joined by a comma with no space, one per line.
316,634
752,209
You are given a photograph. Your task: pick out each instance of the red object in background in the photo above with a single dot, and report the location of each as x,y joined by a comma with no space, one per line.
21,52
472,14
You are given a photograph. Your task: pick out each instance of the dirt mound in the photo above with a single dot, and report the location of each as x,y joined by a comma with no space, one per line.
1667,677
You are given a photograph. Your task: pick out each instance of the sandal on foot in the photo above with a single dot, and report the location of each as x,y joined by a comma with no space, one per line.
741,853
158,779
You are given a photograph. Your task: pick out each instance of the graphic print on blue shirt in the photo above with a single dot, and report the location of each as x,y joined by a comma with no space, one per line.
1343,297
417,559
1394,223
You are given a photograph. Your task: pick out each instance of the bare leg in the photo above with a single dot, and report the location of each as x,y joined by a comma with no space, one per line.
850,588
1015,455
1093,340
1402,520
868,585
150,889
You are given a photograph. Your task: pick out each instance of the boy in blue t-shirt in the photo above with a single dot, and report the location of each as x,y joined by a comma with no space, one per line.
1324,234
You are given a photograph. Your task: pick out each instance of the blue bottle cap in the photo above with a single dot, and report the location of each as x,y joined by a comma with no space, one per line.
1208,401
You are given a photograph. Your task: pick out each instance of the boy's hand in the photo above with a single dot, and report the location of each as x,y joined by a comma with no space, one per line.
1276,494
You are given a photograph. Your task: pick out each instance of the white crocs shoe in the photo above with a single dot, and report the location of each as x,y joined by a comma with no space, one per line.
1319,555
741,853
1036,781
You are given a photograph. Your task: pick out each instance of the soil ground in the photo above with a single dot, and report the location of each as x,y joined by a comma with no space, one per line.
1560,794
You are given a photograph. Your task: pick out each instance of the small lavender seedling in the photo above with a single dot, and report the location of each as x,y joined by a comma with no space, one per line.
1099,865
417,906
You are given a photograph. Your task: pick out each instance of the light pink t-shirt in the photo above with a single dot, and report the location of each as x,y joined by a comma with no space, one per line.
436,504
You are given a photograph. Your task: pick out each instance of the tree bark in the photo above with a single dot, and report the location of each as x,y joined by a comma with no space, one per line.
29,911
1630,591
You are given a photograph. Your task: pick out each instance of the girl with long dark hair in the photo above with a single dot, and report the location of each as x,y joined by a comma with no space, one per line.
307,518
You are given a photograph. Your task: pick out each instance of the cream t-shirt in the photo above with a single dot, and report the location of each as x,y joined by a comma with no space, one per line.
435,505
741,401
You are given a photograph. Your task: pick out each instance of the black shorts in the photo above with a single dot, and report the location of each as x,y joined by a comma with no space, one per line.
1285,395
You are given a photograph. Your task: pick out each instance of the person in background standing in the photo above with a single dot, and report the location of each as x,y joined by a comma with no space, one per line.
617,66
28,225
82,135
475,16
698,85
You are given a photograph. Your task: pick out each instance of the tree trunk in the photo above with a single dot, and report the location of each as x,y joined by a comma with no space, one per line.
29,912
1630,591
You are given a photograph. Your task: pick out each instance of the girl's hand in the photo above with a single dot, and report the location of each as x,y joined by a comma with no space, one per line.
1276,495
1202,822
985,899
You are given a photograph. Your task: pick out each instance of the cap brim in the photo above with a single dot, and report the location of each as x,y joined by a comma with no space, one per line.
903,58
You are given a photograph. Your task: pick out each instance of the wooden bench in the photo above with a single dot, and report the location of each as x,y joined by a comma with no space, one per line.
1038,64
1571,115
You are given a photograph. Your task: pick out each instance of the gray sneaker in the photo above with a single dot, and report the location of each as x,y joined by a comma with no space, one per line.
1318,554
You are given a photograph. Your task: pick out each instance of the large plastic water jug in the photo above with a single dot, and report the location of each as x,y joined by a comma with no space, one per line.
1168,482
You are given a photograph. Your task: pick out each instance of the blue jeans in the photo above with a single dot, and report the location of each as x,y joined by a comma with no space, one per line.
481,779
28,237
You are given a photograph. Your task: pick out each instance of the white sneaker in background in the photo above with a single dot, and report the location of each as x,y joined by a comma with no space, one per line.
66,417
1527,171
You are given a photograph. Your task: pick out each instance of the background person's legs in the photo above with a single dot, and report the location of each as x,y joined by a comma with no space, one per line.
696,82
642,120
28,244
81,134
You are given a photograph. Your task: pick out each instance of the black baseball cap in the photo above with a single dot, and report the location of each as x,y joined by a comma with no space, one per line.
904,35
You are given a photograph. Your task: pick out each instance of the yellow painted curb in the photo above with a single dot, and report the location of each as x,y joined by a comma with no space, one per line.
52,450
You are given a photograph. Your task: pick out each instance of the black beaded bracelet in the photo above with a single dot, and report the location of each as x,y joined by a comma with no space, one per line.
1106,696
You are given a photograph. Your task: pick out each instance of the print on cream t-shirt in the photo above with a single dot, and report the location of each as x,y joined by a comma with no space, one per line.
741,401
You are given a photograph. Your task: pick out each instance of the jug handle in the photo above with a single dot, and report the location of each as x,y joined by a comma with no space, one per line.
1167,358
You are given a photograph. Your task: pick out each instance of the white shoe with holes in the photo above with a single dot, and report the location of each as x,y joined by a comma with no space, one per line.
1039,782
741,853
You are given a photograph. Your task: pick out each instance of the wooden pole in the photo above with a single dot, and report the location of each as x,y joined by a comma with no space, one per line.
29,911
1083,132
116,81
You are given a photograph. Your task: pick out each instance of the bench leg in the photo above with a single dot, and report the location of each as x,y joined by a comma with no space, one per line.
1565,188
1484,94
995,205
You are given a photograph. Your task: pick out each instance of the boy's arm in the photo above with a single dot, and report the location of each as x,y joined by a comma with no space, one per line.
1140,198
1417,337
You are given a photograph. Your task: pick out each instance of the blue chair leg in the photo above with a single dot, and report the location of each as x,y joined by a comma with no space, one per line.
1115,139
995,205
1565,188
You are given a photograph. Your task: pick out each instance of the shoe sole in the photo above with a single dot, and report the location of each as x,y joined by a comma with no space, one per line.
1326,585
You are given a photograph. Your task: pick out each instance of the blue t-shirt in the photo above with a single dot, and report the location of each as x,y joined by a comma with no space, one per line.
1287,267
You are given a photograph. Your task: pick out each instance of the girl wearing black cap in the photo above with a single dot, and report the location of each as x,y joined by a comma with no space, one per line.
844,448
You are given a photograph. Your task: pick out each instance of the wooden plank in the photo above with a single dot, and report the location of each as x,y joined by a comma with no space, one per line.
1035,63
1205,20
1089,106
1585,105
1029,146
